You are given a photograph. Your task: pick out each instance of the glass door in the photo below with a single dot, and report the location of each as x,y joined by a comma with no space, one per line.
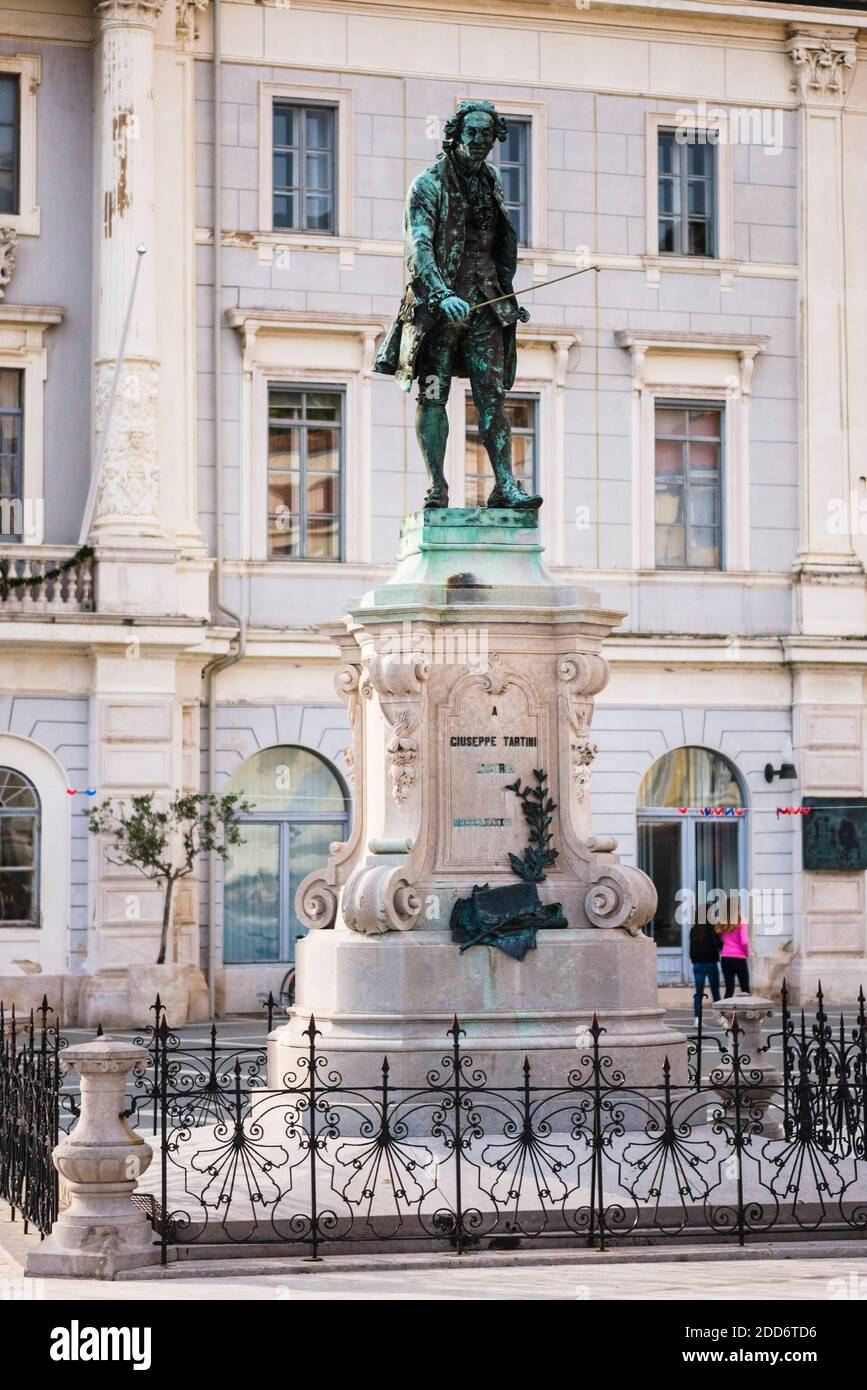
661,856
251,895
262,878
717,868
692,843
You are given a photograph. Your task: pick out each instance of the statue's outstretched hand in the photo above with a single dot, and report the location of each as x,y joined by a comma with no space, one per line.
523,314
455,308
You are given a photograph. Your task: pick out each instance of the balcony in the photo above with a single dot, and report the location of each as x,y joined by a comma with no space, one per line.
48,588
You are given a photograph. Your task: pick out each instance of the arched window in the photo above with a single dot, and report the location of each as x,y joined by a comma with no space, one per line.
688,853
299,808
20,821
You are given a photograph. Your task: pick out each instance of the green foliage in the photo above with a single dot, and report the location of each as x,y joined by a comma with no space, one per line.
164,844
537,807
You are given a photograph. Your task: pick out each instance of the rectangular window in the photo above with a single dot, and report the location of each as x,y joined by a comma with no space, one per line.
522,411
687,195
304,167
11,455
688,487
512,159
10,142
305,482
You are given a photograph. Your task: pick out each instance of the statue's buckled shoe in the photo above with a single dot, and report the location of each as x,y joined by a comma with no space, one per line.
511,494
436,496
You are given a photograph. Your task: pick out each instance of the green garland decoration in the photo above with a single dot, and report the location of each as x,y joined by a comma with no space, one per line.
32,581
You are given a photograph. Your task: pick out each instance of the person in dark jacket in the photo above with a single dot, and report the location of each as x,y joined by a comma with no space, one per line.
704,950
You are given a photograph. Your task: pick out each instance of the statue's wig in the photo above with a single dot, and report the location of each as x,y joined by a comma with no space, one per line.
453,124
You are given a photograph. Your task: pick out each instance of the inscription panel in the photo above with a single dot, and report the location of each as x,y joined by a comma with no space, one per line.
835,833
489,741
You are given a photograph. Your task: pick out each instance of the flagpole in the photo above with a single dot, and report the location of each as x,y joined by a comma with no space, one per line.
96,473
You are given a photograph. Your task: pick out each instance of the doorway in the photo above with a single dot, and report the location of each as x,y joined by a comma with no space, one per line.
692,843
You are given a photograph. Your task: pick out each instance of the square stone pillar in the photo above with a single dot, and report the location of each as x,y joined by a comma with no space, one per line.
829,936
143,736
830,595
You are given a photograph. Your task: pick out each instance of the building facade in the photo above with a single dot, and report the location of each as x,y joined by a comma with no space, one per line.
694,415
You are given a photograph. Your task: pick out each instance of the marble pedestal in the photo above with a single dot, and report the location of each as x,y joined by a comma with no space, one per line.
396,996
468,671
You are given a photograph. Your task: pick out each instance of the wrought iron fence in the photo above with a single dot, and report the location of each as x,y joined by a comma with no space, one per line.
30,1090
738,1150
732,1146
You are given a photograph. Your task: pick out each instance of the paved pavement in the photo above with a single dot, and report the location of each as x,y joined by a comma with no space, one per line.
735,1280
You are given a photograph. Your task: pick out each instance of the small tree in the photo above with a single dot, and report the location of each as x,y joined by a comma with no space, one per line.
164,844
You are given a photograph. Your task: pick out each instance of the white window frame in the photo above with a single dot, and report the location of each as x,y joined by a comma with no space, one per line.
279,347
338,387
46,943
713,403
708,368
22,348
28,68
723,183
341,98
536,113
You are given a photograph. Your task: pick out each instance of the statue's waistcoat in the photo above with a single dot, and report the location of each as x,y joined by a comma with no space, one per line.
477,274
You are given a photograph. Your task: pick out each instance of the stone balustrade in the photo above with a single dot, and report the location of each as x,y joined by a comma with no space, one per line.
71,591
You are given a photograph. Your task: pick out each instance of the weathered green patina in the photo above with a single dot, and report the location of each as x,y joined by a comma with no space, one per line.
461,250
509,916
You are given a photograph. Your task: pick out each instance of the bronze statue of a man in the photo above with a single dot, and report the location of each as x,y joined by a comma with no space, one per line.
461,249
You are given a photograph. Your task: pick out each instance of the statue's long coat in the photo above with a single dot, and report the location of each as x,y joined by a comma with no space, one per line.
434,228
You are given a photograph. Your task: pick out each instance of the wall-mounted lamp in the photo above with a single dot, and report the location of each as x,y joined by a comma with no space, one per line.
787,772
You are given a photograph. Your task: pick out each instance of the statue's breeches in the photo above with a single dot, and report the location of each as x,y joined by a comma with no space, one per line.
475,349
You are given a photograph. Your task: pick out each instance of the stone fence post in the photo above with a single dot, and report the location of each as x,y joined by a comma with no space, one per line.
759,1078
100,1161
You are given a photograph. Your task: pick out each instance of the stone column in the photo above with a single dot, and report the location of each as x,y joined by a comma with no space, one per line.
101,1231
127,500
830,592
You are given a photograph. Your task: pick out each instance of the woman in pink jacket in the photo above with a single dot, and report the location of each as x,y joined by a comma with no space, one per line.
734,957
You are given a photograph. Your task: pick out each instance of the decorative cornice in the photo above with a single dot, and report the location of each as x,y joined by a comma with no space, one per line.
249,323
824,63
561,341
44,315
746,346
302,321
666,340
132,12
